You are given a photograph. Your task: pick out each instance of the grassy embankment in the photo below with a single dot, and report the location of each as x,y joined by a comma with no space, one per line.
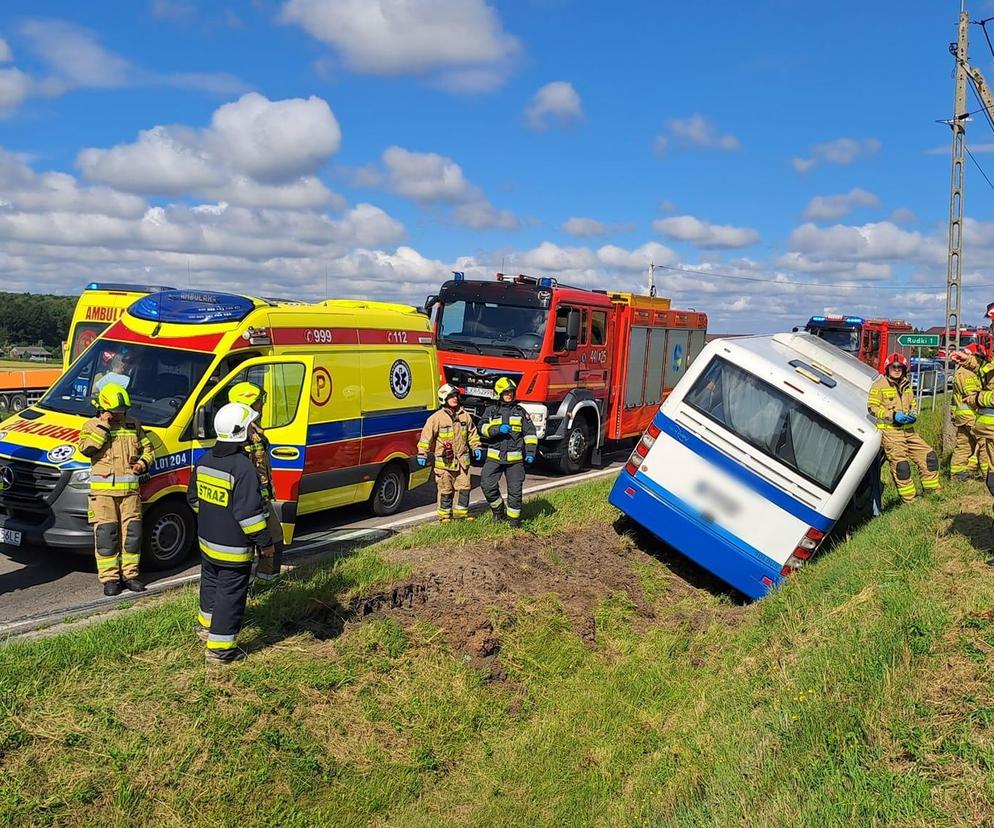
860,694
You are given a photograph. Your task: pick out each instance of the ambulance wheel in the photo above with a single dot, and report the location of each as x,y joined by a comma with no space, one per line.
576,448
169,534
18,402
388,491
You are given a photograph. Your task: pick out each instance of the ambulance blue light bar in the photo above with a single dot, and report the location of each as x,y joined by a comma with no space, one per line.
817,318
191,307
854,320
128,287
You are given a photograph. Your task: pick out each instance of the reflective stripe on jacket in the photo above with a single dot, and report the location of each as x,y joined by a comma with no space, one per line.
112,450
985,401
887,398
448,426
514,446
966,383
232,519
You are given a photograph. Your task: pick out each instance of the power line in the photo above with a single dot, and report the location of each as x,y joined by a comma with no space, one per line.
977,165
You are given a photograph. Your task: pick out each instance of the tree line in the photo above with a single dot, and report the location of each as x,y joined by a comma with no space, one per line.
35,318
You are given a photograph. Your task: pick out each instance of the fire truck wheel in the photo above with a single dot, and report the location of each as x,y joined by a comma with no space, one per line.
388,491
17,402
576,447
169,534
4,405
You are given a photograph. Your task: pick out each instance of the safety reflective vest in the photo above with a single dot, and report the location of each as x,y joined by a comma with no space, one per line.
966,383
518,443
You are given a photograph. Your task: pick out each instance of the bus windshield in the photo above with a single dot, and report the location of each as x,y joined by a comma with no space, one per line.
774,422
158,380
478,325
845,338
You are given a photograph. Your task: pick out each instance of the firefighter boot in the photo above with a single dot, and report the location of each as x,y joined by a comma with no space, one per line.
134,585
514,523
112,588
229,657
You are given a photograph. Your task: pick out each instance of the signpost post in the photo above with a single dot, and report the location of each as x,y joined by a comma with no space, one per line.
920,341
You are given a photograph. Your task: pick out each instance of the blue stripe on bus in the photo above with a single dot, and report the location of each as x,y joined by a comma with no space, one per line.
677,523
762,487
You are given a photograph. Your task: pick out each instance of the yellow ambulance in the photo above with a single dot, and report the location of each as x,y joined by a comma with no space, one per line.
349,386
99,306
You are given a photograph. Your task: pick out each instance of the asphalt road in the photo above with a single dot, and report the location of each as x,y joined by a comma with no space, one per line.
38,585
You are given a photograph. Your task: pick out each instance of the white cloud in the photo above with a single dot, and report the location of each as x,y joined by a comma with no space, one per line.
175,10
831,207
15,86
430,178
461,42
589,227
976,149
6,55
255,152
867,242
695,131
555,104
705,235
902,215
842,151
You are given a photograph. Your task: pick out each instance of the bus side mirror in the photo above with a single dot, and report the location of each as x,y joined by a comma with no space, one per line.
200,423
430,303
572,329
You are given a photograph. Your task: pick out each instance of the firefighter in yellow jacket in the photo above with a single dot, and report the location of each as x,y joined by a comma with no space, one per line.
450,436
966,384
983,429
257,448
119,452
892,403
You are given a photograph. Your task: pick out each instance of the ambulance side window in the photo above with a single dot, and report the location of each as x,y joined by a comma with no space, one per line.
283,384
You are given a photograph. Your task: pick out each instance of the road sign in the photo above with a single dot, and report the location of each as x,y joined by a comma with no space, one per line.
918,340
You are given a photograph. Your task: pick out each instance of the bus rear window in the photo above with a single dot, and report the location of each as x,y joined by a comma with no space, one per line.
773,422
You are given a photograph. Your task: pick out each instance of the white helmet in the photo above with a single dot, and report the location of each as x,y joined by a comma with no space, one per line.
447,391
232,421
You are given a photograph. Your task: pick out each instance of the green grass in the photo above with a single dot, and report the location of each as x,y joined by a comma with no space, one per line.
27,365
859,694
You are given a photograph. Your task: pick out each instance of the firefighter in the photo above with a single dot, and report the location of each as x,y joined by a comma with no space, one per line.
892,403
119,452
450,436
231,524
511,439
257,448
966,384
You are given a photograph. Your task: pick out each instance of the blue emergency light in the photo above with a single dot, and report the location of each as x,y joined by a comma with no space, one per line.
192,307
817,318
854,320
547,281
127,287
458,275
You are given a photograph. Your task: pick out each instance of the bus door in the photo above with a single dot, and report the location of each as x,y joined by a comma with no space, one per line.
285,413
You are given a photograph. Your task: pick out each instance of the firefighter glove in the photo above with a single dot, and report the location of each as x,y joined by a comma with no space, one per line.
477,455
422,461
529,458
900,418
504,428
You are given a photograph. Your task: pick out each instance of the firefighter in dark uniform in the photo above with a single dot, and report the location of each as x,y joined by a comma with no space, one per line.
511,443
257,448
231,524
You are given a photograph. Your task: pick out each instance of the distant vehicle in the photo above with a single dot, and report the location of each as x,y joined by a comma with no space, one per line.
763,447
869,340
930,373
967,336
591,366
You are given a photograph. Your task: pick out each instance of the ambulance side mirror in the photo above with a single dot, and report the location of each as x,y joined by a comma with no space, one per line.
200,423
572,330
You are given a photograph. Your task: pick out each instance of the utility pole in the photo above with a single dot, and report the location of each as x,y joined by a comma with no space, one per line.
954,263
652,279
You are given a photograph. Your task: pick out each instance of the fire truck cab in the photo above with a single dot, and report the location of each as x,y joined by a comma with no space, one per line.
869,340
591,367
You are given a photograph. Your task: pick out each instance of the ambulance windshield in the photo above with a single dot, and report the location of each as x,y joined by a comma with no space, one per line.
492,327
158,379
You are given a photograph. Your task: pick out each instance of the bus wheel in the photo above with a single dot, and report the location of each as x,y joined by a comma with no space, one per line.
169,534
18,402
576,447
388,491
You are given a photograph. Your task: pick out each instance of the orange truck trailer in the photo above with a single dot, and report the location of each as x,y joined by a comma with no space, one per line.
591,366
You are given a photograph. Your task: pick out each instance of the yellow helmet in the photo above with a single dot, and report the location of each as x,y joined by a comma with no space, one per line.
504,384
113,397
245,393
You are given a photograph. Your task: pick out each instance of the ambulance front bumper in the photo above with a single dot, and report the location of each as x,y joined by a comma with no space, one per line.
55,516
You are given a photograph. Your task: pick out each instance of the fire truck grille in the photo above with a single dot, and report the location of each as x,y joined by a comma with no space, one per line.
28,485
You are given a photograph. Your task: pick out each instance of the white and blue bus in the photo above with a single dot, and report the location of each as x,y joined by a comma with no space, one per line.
761,448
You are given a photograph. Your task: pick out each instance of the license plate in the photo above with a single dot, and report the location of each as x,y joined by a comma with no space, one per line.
10,537
489,393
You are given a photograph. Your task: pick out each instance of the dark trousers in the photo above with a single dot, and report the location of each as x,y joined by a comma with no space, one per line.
223,593
490,484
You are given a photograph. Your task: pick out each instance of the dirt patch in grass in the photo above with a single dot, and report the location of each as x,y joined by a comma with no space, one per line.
462,589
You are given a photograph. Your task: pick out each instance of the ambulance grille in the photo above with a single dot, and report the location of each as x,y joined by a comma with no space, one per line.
28,485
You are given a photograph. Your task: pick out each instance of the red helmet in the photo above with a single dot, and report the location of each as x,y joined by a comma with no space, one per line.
896,359
990,309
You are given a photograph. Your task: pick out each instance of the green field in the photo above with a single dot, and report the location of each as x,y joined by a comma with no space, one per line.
25,365
860,694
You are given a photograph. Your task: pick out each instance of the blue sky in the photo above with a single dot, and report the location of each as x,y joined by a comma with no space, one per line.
374,145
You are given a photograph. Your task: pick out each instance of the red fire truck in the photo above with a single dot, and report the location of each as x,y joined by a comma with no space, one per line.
592,367
967,336
869,340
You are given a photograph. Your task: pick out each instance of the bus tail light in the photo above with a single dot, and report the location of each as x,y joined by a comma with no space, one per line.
805,548
642,449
